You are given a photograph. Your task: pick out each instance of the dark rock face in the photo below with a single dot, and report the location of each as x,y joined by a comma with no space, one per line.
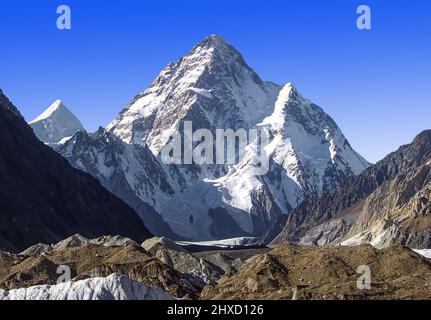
367,195
8,105
273,231
223,225
44,199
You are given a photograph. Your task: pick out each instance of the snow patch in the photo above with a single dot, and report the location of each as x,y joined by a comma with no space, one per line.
114,287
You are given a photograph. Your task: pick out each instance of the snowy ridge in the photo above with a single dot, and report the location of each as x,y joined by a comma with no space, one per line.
114,287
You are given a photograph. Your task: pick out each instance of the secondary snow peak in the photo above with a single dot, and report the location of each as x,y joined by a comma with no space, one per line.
55,106
56,123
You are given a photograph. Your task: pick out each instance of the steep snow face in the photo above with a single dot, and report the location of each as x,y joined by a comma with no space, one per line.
211,86
56,124
114,287
308,145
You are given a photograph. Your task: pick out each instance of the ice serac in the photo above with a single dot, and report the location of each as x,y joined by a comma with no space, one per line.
214,88
56,124
113,287
44,199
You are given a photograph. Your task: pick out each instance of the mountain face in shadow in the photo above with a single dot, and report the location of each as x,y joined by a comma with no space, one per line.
44,199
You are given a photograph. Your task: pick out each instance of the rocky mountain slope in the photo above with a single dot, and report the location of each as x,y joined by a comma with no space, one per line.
214,88
386,204
180,259
284,272
159,262
130,171
302,273
44,199
55,124
113,287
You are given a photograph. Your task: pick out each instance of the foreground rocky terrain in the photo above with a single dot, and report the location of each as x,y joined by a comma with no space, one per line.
283,272
87,260
293,272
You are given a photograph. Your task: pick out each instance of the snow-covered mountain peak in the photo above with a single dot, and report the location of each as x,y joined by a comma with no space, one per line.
212,86
56,124
215,42
56,106
289,104
312,137
216,45
292,110
215,39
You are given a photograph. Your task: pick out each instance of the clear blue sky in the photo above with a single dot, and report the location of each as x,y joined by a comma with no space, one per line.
375,84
